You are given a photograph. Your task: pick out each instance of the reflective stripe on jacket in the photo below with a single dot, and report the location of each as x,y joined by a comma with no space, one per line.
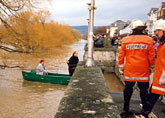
139,53
136,78
160,66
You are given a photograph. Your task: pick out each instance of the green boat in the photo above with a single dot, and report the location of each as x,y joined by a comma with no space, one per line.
62,79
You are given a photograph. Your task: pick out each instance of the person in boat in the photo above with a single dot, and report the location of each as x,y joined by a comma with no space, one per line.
72,63
41,69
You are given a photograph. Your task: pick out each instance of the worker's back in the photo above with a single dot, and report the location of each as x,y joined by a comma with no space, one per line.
139,53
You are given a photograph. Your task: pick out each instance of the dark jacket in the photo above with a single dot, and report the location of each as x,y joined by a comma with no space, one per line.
98,42
73,61
113,41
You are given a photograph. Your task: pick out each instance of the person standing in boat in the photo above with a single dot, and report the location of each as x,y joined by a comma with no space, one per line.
41,68
72,63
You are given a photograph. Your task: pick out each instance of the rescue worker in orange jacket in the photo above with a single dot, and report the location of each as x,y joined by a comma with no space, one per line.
138,51
158,86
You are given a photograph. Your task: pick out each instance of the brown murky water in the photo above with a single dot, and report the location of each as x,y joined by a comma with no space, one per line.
24,99
113,83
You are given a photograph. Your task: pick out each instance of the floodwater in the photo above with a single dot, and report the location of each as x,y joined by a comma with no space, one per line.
25,99
114,84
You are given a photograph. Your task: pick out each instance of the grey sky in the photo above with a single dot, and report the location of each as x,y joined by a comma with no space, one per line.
75,12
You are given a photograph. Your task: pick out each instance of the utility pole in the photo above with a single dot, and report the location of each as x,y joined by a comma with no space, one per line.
88,28
90,60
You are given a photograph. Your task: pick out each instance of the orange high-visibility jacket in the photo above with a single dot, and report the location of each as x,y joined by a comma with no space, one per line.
139,53
160,66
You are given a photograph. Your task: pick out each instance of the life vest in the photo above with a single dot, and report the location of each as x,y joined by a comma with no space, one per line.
138,51
160,66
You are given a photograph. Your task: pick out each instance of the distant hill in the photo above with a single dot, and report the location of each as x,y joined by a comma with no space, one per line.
82,29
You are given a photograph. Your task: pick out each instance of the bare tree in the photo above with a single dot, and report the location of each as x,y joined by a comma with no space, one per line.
10,8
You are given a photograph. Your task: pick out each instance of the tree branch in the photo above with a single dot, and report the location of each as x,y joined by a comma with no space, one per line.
5,66
11,50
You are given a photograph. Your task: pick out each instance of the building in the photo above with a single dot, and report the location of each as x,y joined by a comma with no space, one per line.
152,18
154,15
117,26
161,11
126,31
113,30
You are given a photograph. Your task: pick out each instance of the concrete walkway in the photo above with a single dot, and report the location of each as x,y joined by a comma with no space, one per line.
87,96
134,105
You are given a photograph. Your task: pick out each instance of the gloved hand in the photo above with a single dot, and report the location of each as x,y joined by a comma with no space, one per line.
121,70
162,79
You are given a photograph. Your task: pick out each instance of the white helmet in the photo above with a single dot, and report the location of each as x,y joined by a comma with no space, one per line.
137,24
159,25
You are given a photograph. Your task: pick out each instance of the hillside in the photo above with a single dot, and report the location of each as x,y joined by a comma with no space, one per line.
82,29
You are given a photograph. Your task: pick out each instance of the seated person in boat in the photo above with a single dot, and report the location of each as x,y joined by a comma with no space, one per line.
41,68
72,63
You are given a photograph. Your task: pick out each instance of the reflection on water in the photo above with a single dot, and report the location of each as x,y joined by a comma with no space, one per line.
113,82
24,99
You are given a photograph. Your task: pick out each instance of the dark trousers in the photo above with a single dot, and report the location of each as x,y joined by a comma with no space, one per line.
71,70
150,103
144,95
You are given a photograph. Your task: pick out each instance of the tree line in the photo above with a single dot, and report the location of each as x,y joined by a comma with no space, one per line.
31,30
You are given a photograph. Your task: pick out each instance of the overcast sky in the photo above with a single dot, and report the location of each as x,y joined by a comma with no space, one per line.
75,12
